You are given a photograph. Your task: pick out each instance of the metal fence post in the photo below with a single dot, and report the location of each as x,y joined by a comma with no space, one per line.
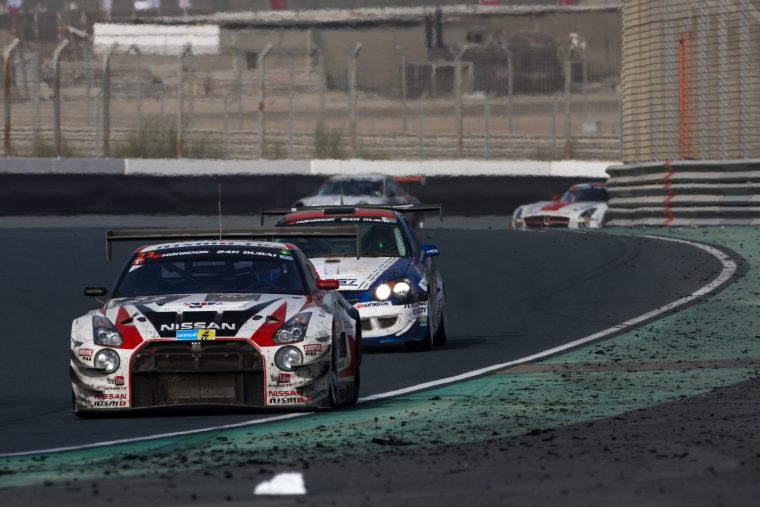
403,93
487,115
421,124
227,125
106,98
57,95
322,86
353,98
568,80
291,113
7,56
181,100
260,62
36,98
510,86
458,100
138,54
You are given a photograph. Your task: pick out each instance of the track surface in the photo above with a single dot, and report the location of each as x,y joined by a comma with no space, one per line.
510,294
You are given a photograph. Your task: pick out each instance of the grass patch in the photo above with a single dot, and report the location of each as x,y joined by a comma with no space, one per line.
42,149
328,143
155,138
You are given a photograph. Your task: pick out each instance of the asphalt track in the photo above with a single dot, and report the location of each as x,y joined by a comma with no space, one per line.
511,294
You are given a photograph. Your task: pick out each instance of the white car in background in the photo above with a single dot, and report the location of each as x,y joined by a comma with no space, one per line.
582,206
359,189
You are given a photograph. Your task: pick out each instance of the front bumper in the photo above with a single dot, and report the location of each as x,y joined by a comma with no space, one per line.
222,373
393,323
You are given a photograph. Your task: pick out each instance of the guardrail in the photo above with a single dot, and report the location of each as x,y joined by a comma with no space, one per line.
191,187
685,193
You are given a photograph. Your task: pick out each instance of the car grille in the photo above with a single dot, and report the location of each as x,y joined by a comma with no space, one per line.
210,372
373,323
546,221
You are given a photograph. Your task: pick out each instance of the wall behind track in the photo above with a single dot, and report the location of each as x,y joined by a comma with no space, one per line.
69,187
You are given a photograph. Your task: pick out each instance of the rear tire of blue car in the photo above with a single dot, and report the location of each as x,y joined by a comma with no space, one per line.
441,332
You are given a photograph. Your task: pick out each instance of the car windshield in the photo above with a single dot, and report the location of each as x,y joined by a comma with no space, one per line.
219,270
377,238
583,194
352,187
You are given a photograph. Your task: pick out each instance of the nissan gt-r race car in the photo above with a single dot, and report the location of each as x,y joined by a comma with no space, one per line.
582,206
392,280
227,323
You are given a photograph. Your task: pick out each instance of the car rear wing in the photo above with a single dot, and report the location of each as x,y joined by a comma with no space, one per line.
401,208
271,233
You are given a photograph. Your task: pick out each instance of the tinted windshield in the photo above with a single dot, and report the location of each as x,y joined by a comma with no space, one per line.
580,194
352,187
378,237
219,270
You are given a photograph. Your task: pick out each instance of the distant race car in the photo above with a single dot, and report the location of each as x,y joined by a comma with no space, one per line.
392,280
229,323
358,189
583,205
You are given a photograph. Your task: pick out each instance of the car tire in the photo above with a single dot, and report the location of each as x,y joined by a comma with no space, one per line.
441,332
334,398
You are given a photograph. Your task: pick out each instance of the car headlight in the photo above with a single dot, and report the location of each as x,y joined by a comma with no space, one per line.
400,289
288,358
294,330
104,333
107,360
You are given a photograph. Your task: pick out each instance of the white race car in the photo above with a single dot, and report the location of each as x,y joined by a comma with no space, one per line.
358,189
227,323
583,205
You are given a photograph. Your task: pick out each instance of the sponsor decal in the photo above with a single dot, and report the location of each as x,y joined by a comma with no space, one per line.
224,326
370,304
348,282
287,397
423,283
202,304
197,334
280,379
414,305
110,396
116,381
419,310
85,354
312,349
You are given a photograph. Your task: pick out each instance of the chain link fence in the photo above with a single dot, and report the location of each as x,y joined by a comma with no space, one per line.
691,79
521,98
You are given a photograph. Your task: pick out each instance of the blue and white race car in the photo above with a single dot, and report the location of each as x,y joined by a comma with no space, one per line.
392,279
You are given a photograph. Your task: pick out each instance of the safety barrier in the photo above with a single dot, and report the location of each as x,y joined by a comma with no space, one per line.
685,193
194,187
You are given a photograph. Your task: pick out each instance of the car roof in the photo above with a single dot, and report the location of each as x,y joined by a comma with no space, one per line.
216,243
340,211
579,186
367,176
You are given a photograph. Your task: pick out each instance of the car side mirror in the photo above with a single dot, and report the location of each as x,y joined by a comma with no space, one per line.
429,250
94,292
328,284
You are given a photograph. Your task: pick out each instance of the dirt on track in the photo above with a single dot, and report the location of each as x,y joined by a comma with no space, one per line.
702,451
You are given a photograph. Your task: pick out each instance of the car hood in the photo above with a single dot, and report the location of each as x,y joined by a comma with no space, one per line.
335,200
554,208
229,315
361,273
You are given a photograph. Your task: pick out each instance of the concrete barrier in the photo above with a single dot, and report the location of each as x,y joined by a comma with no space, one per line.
685,193
182,187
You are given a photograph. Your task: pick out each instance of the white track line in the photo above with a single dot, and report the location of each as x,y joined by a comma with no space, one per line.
729,269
